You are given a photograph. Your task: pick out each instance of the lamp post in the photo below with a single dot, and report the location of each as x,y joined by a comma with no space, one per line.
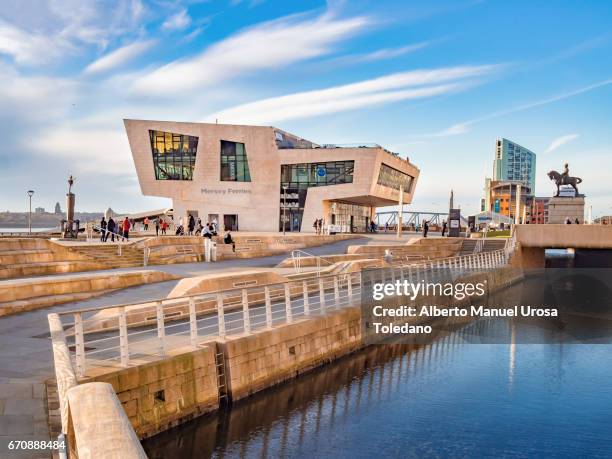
30,193
284,208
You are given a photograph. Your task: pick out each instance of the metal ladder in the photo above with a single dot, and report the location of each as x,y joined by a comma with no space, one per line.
221,378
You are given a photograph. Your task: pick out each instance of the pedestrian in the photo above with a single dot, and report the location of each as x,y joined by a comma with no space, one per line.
213,227
110,229
386,227
315,225
146,223
199,228
443,228
103,229
157,226
228,240
164,227
191,225
568,221
425,228
207,231
126,229
577,222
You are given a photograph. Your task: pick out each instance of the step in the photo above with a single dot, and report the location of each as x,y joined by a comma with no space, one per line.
15,307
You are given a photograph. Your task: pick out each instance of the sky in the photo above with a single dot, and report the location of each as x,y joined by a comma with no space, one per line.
436,81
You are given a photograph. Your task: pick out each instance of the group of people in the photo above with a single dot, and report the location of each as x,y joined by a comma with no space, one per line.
111,228
318,225
568,221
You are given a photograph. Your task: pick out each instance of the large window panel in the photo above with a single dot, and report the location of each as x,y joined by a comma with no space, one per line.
234,162
174,155
392,178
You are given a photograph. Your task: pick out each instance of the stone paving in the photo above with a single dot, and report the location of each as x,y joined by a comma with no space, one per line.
26,360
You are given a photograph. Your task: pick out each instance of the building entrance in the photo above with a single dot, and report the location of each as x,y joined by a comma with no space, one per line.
230,222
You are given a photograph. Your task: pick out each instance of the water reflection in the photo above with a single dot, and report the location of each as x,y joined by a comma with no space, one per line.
443,399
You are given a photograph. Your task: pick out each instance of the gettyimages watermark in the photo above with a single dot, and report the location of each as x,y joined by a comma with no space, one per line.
508,305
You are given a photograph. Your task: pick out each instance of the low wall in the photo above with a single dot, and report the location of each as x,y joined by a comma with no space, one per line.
161,394
265,358
99,426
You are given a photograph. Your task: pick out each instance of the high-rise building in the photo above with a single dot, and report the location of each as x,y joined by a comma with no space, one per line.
514,163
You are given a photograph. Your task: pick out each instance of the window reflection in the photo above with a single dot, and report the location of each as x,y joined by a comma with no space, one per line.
173,155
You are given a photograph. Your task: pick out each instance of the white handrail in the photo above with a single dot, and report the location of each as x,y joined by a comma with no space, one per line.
296,256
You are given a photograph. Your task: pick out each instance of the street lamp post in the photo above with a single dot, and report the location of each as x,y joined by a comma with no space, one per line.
30,193
284,208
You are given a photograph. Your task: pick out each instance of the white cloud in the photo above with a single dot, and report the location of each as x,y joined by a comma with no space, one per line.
53,29
560,141
119,56
178,21
389,88
461,128
273,44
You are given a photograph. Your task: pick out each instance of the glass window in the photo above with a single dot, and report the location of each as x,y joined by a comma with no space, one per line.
234,163
173,155
392,178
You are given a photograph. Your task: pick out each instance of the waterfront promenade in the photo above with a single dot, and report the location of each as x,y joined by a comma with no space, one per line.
26,361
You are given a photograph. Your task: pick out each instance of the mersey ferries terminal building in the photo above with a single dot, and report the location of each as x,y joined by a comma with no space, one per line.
255,178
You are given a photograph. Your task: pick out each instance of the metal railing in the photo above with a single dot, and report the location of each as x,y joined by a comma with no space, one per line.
106,232
296,258
131,334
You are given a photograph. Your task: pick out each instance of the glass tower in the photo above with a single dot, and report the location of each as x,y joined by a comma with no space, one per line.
514,162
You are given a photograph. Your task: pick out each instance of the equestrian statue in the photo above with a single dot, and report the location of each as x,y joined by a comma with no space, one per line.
564,179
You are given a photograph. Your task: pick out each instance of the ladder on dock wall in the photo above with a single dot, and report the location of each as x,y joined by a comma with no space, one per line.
221,378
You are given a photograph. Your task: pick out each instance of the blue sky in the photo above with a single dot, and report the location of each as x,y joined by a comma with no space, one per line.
436,81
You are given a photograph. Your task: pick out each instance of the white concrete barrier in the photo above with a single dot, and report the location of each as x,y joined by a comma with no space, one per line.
101,427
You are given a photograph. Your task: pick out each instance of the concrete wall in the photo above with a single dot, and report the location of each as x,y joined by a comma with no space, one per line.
565,236
161,394
265,358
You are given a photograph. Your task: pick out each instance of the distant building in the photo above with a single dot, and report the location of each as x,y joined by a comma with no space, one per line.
39,210
514,163
58,209
501,196
539,211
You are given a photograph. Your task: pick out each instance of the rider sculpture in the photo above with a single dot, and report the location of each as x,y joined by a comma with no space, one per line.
564,179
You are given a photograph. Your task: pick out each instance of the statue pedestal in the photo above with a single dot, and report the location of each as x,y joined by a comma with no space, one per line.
562,207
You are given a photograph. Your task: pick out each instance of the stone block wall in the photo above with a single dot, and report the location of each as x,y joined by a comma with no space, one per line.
159,395
268,357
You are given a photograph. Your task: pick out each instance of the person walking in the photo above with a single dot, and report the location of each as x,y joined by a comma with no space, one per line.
577,222
103,230
110,230
568,221
315,225
126,229
425,228
387,227
164,227
443,228
145,223
157,226
191,225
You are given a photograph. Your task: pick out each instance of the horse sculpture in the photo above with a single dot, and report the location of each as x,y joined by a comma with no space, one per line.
561,179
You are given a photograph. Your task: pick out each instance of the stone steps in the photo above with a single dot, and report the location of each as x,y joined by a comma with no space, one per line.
28,294
17,270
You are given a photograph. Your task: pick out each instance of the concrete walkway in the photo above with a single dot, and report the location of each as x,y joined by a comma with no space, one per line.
26,360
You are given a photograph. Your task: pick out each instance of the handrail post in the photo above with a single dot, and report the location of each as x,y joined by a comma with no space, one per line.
306,299
268,307
246,318
349,288
161,329
322,295
79,344
193,323
336,292
123,338
288,311
220,315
